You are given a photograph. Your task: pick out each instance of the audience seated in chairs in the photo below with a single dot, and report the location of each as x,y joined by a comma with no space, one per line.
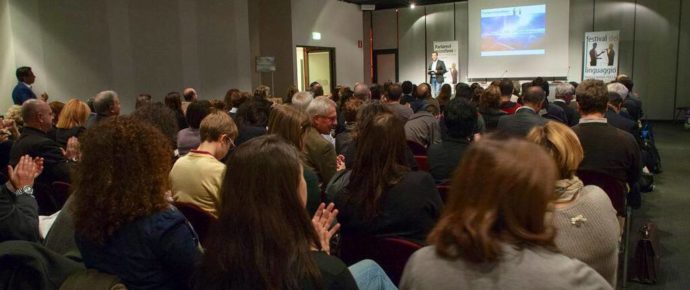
283,249
105,104
319,152
489,107
379,195
173,101
124,223
588,229
495,232
392,102
509,107
252,119
350,110
190,137
565,93
72,121
460,118
292,124
423,127
527,116
196,177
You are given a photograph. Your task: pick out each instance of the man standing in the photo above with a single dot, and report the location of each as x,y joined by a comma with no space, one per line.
436,71
593,55
22,91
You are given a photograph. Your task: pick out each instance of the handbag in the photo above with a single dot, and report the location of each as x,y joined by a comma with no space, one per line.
645,268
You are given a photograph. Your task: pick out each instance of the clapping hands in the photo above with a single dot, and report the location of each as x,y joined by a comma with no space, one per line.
323,224
26,170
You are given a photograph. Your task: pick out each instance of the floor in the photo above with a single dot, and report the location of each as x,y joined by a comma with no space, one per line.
668,206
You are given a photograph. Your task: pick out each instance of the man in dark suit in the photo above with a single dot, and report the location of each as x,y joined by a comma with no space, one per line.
436,70
632,106
527,116
564,95
106,104
22,91
615,119
34,141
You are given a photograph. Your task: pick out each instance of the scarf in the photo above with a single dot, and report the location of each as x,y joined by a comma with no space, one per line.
567,189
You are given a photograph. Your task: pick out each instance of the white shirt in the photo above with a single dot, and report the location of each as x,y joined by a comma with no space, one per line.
433,65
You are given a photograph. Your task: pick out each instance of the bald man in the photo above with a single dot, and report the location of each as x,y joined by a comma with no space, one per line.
34,141
190,96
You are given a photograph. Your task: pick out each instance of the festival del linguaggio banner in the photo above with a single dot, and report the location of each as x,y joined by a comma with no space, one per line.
601,55
448,53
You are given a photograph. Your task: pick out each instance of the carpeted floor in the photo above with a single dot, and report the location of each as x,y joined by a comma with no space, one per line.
668,206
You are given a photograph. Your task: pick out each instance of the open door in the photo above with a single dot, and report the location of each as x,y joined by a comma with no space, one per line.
316,64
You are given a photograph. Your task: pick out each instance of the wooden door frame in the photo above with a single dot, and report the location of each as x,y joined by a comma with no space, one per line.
331,50
376,53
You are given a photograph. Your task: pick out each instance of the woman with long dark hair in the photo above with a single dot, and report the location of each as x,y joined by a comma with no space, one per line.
124,224
264,238
382,196
173,100
496,231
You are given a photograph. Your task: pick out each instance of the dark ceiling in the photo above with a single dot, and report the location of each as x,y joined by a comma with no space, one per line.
388,4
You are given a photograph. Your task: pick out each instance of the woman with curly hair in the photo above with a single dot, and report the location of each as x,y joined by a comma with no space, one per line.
123,222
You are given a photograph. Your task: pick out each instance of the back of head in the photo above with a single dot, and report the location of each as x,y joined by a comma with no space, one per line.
74,114
463,91
423,91
173,101
407,87
271,252
490,99
592,96
142,100
506,86
534,96
197,111
615,99
562,144
292,90
366,114
541,82
22,72
215,125
319,106
189,95
32,110
160,117
362,92
525,87
394,92
301,100
499,195
375,91
628,83
618,88
351,109
262,92
122,176
104,102
56,107
290,123
253,112
565,91
460,117
232,97
379,161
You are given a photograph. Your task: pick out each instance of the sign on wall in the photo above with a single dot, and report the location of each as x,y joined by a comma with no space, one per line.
448,52
600,60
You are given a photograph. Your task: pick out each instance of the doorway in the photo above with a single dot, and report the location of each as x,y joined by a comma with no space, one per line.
316,64
385,66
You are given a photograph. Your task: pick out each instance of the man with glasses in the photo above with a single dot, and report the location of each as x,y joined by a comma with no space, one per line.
320,153
217,132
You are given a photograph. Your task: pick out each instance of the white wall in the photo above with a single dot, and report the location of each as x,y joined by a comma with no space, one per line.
340,25
79,47
7,66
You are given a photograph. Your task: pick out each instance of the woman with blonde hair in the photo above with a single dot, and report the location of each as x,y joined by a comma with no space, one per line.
496,232
72,121
586,221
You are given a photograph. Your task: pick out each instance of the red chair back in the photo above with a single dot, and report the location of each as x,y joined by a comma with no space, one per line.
201,220
422,162
390,253
416,148
614,188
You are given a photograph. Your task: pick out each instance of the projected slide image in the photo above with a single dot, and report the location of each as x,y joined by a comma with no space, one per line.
516,30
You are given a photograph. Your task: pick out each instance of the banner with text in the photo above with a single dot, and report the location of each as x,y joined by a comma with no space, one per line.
600,60
448,52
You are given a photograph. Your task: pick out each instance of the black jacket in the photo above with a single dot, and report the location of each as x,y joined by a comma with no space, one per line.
440,70
621,122
18,217
443,158
572,114
36,143
520,123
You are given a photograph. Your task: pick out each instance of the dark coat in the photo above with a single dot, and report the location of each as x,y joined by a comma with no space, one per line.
36,143
572,114
440,70
18,217
520,123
